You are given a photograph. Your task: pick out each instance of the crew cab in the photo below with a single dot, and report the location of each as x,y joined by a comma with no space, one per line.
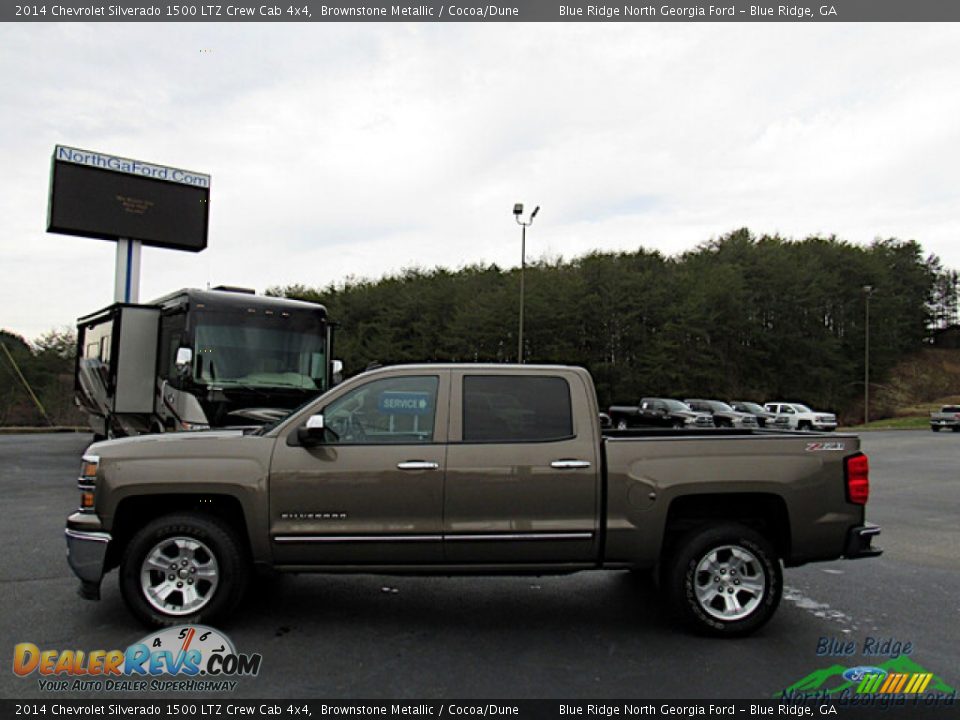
460,469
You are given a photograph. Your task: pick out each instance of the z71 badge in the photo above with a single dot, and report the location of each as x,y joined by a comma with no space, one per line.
825,446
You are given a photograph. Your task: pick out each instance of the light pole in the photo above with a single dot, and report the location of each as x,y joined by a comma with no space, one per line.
517,212
867,291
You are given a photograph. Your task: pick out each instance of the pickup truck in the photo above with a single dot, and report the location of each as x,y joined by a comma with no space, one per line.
795,416
658,412
948,417
454,469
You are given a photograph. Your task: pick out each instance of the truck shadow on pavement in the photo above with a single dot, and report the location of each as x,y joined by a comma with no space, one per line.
591,602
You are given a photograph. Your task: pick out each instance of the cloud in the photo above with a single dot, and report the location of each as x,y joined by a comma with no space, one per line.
358,149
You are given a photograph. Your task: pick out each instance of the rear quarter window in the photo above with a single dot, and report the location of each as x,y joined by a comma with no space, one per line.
516,408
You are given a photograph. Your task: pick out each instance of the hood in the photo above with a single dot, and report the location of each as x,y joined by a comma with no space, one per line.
139,443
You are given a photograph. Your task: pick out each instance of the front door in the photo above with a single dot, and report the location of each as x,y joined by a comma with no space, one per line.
372,494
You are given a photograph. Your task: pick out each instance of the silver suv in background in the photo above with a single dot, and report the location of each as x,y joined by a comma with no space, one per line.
800,417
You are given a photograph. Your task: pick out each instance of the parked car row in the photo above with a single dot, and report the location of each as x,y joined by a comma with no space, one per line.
702,413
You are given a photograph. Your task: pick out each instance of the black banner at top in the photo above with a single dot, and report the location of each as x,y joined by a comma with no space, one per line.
483,11
214,707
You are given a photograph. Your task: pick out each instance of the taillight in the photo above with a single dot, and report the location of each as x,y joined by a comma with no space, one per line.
857,469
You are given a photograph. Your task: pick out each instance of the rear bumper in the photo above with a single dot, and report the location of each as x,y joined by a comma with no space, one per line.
859,541
86,554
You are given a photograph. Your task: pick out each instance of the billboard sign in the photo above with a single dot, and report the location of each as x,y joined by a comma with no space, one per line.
98,195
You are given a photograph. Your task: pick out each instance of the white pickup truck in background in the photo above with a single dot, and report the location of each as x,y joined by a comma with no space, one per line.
800,417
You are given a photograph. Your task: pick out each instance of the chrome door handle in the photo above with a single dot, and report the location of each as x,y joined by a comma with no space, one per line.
417,465
569,464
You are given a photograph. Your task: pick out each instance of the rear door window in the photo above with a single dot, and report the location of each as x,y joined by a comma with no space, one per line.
516,408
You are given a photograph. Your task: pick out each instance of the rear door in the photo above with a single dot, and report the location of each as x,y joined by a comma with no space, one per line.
522,469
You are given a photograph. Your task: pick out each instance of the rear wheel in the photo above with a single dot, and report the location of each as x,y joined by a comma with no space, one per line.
183,568
724,579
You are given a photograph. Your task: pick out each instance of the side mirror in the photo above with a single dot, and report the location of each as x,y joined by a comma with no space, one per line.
313,433
336,367
184,359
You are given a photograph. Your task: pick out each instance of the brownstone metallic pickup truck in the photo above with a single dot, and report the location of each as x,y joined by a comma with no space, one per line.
480,469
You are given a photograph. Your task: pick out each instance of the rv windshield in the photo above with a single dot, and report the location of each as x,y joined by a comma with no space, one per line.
246,354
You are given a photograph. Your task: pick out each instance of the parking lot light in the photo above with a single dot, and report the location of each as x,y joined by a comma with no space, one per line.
517,213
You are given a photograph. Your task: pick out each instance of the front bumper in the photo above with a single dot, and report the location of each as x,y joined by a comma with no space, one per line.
86,554
858,542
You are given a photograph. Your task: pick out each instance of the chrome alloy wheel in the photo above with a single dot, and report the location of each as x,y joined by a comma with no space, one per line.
729,582
179,575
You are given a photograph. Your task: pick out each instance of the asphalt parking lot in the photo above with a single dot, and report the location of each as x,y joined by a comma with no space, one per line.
591,635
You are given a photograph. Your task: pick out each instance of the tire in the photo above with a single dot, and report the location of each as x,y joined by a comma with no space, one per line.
622,424
734,551
956,428
935,428
207,560
803,425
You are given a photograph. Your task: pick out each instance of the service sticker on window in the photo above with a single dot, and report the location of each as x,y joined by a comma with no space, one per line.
395,402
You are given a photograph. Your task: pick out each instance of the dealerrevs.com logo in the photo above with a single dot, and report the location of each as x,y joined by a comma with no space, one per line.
199,658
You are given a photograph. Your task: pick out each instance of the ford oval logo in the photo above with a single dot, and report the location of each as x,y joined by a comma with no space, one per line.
855,674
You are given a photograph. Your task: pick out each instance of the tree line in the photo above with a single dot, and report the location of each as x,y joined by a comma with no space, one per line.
739,317
47,366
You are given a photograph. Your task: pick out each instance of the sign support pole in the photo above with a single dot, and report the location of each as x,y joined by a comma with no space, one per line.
126,287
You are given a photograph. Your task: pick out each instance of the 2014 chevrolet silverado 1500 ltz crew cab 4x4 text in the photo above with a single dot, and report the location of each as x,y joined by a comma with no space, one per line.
451,469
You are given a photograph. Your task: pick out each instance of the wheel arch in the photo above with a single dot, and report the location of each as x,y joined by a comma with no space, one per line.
766,513
134,512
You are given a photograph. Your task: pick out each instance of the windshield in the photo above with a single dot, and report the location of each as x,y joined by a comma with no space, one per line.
720,406
677,406
750,407
247,355
802,409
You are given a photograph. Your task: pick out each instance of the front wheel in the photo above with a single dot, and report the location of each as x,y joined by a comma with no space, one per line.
724,579
183,568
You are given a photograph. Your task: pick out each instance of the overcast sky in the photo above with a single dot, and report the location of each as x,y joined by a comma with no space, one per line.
354,150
